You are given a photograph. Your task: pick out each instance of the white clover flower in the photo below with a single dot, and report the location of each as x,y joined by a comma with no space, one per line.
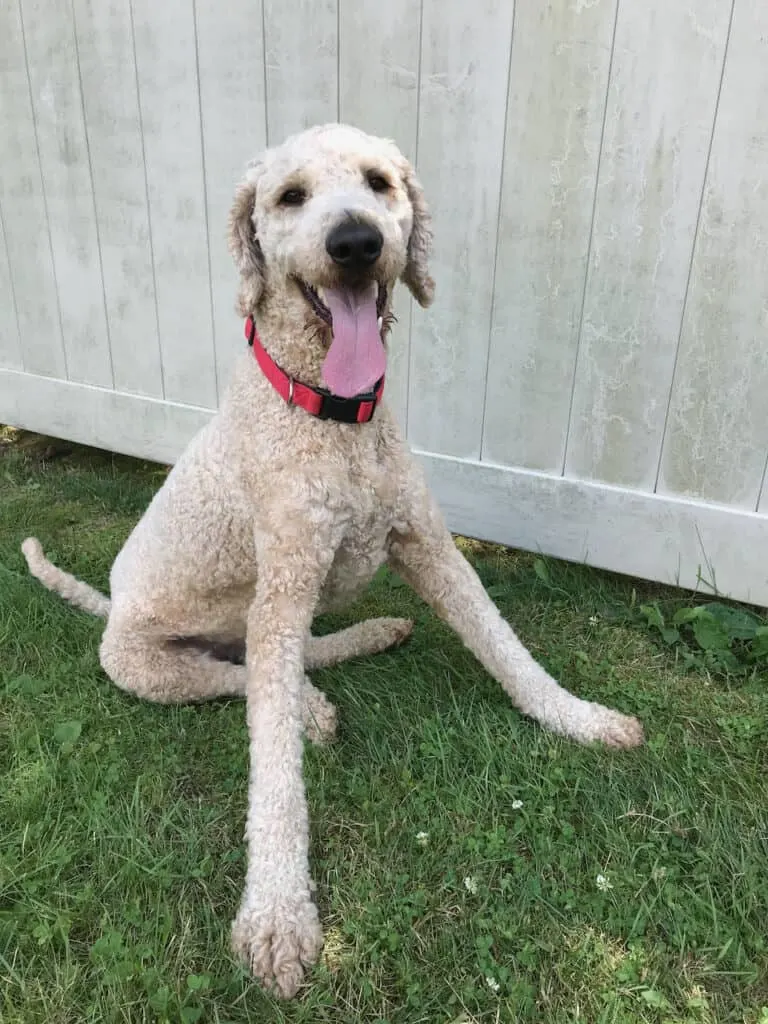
603,883
594,619
516,805
492,984
470,884
422,838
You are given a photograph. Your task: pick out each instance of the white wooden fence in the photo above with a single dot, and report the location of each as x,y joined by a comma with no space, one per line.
593,378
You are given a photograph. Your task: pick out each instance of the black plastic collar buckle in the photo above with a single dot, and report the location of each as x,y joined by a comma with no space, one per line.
346,410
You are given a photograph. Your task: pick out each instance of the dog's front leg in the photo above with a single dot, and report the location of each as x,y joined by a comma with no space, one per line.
277,931
429,561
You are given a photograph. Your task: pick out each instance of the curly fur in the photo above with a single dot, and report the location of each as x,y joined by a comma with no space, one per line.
271,515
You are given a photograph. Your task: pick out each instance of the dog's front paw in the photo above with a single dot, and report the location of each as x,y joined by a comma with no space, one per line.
278,943
614,729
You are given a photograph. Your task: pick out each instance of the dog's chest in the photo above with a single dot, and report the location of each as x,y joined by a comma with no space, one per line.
371,511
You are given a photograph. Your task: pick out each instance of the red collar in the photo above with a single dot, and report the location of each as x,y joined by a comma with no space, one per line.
316,401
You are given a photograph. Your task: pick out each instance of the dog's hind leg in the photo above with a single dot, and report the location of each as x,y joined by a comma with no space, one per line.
213,662
364,638
156,667
181,672
356,641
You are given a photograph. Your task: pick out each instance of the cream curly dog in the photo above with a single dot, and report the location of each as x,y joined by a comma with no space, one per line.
280,509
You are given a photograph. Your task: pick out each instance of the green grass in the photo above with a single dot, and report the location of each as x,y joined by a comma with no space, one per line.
121,823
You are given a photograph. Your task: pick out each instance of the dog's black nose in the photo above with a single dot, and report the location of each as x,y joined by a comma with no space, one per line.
354,244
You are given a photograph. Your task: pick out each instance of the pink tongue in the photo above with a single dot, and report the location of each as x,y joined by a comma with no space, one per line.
356,359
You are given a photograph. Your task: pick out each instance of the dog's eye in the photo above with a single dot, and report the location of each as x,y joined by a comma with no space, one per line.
293,197
378,182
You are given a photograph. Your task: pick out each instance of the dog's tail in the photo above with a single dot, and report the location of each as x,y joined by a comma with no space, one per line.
70,588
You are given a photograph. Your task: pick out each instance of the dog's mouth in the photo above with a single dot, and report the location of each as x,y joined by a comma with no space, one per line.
356,359
313,297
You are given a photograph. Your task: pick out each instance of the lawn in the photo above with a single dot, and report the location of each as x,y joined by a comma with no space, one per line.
470,866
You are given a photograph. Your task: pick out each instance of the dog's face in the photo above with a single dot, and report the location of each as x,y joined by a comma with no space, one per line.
330,220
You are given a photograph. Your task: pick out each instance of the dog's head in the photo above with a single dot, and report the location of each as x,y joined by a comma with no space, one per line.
328,222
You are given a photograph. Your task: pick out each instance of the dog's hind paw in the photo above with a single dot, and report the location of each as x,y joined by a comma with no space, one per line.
319,717
388,632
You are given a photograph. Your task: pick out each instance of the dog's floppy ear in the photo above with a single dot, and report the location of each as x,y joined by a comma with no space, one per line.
244,245
416,274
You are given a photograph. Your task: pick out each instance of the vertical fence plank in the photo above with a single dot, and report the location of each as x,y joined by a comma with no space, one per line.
113,123
301,46
25,219
166,60
378,75
557,91
717,432
464,75
233,104
663,92
10,341
64,160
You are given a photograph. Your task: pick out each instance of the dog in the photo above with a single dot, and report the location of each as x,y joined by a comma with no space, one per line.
287,502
